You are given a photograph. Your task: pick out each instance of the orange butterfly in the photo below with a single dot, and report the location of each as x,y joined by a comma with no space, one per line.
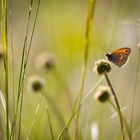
119,57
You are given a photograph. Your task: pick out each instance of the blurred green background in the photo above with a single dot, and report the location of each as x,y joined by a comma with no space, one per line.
60,30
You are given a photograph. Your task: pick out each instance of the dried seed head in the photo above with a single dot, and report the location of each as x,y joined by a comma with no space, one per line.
45,61
102,94
102,67
36,83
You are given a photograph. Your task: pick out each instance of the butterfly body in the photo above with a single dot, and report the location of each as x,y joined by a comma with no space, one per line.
119,57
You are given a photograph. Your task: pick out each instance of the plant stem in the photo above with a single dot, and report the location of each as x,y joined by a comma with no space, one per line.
5,47
50,100
50,124
20,113
35,117
25,59
12,52
77,109
124,120
117,104
91,7
134,94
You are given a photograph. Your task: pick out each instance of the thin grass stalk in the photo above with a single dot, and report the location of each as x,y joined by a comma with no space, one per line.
134,94
91,8
12,57
136,131
21,75
21,88
117,104
124,120
34,119
50,124
27,50
55,109
32,33
23,54
24,60
132,112
53,104
5,46
50,100
20,114
77,109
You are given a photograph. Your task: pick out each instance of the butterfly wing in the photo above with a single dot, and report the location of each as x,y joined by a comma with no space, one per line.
126,51
119,57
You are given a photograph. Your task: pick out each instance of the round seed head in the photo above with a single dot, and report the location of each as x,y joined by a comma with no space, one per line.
102,94
36,83
102,67
45,61
138,45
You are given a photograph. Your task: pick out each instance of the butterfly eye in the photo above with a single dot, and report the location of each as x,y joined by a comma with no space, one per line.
126,51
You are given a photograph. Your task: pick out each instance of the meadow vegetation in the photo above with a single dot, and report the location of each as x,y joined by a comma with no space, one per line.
55,81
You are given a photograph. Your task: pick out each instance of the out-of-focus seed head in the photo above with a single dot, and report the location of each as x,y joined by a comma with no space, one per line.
36,83
138,45
45,61
102,94
94,131
102,67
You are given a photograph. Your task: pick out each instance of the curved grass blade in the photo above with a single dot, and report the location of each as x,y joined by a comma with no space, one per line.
5,47
50,124
34,119
91,8
77,109
25,55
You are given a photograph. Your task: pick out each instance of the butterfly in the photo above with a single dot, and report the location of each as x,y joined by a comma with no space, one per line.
119,57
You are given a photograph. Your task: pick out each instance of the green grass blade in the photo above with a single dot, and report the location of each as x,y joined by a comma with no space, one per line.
25,55
34,119
91,8
134,93
77,109
5,47
50,124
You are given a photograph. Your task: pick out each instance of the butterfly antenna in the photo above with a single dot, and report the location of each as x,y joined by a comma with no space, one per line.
103,49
